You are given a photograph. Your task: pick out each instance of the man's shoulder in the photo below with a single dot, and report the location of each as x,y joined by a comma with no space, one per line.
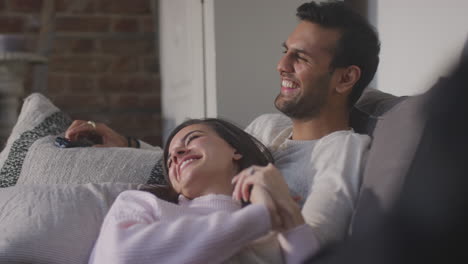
267,127
345,138
270,120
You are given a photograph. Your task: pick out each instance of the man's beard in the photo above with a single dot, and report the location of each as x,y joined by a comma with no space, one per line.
306,106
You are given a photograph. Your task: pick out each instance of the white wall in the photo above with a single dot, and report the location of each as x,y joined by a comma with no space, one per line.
421,40
248,37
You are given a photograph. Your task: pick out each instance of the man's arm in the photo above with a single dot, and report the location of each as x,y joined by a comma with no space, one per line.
334,190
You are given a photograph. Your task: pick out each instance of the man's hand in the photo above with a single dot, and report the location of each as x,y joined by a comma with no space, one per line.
271,180
83,129
260,196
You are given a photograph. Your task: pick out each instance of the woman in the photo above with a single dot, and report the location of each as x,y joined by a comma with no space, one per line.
205,224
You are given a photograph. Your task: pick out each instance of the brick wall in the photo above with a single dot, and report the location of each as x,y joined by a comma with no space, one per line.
103,65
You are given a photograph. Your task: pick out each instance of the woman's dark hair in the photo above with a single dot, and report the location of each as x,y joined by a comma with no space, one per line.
252,150
358,45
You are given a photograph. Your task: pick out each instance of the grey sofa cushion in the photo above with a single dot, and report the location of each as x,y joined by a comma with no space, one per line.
367,110
395,139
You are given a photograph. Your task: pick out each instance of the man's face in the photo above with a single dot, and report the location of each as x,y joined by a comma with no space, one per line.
305,70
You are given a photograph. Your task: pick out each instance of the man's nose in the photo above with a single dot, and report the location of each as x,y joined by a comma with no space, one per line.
284,64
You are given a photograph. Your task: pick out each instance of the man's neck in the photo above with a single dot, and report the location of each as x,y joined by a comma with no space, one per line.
318,127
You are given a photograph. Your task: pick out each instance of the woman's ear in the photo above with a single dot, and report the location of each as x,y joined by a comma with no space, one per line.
237,156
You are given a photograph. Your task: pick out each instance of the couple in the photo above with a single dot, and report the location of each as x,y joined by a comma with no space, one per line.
328,60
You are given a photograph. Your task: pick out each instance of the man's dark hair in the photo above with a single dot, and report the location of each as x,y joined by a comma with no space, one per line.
358,45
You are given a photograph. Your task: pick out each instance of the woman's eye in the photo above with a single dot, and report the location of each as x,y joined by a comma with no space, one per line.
169,163
192,137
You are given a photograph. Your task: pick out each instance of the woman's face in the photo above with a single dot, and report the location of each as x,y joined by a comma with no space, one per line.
200,162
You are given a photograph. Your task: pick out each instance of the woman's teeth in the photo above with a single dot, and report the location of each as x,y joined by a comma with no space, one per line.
186,162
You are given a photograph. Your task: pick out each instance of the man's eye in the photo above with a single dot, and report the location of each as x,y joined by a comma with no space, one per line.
300,58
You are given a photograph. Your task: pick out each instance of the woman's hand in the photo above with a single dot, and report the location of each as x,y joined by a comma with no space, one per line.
259,195
87,129
271,180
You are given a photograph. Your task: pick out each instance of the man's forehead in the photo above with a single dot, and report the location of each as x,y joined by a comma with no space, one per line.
312,37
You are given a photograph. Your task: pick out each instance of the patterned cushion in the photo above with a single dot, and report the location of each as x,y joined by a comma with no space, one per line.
31,157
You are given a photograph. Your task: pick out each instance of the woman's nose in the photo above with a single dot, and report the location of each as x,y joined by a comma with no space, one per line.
178,153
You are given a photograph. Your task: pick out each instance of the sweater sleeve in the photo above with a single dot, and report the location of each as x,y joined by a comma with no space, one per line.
134,232
332,197
298,244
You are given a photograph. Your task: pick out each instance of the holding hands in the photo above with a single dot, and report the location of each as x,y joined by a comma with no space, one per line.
266,185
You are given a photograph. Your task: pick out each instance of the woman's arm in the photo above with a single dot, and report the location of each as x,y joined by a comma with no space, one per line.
297,239
136,231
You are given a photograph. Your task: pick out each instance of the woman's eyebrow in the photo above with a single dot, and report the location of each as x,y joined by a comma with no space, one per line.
190,133
182,140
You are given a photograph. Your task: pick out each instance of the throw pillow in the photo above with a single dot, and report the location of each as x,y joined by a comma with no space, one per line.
30,155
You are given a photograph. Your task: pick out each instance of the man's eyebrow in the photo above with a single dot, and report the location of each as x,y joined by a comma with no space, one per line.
296,50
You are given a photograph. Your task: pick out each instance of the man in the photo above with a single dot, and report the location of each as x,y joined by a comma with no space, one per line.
328,60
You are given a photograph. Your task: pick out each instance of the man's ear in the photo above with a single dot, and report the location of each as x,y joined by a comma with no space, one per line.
347,78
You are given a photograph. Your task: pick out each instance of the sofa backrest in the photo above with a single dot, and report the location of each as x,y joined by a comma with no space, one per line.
395,125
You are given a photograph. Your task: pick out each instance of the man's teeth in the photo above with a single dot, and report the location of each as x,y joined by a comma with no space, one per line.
186,162
289,84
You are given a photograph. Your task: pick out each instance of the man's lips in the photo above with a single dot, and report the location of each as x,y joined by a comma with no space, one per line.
289,84
289,87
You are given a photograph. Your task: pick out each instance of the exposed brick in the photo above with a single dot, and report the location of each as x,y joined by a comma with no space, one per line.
140,83
75,46
125,101
11,24
2,8
155,140
75,7
74,103
57,83
128,46
27,6
124,64
143,83
129,124
112,83
82,84
151,102
147,25
79,64
125,6
32,23
82,24
150,64
136,101
125,25
61,5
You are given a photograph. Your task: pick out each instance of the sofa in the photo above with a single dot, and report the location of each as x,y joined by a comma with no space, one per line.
56,199
412,205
